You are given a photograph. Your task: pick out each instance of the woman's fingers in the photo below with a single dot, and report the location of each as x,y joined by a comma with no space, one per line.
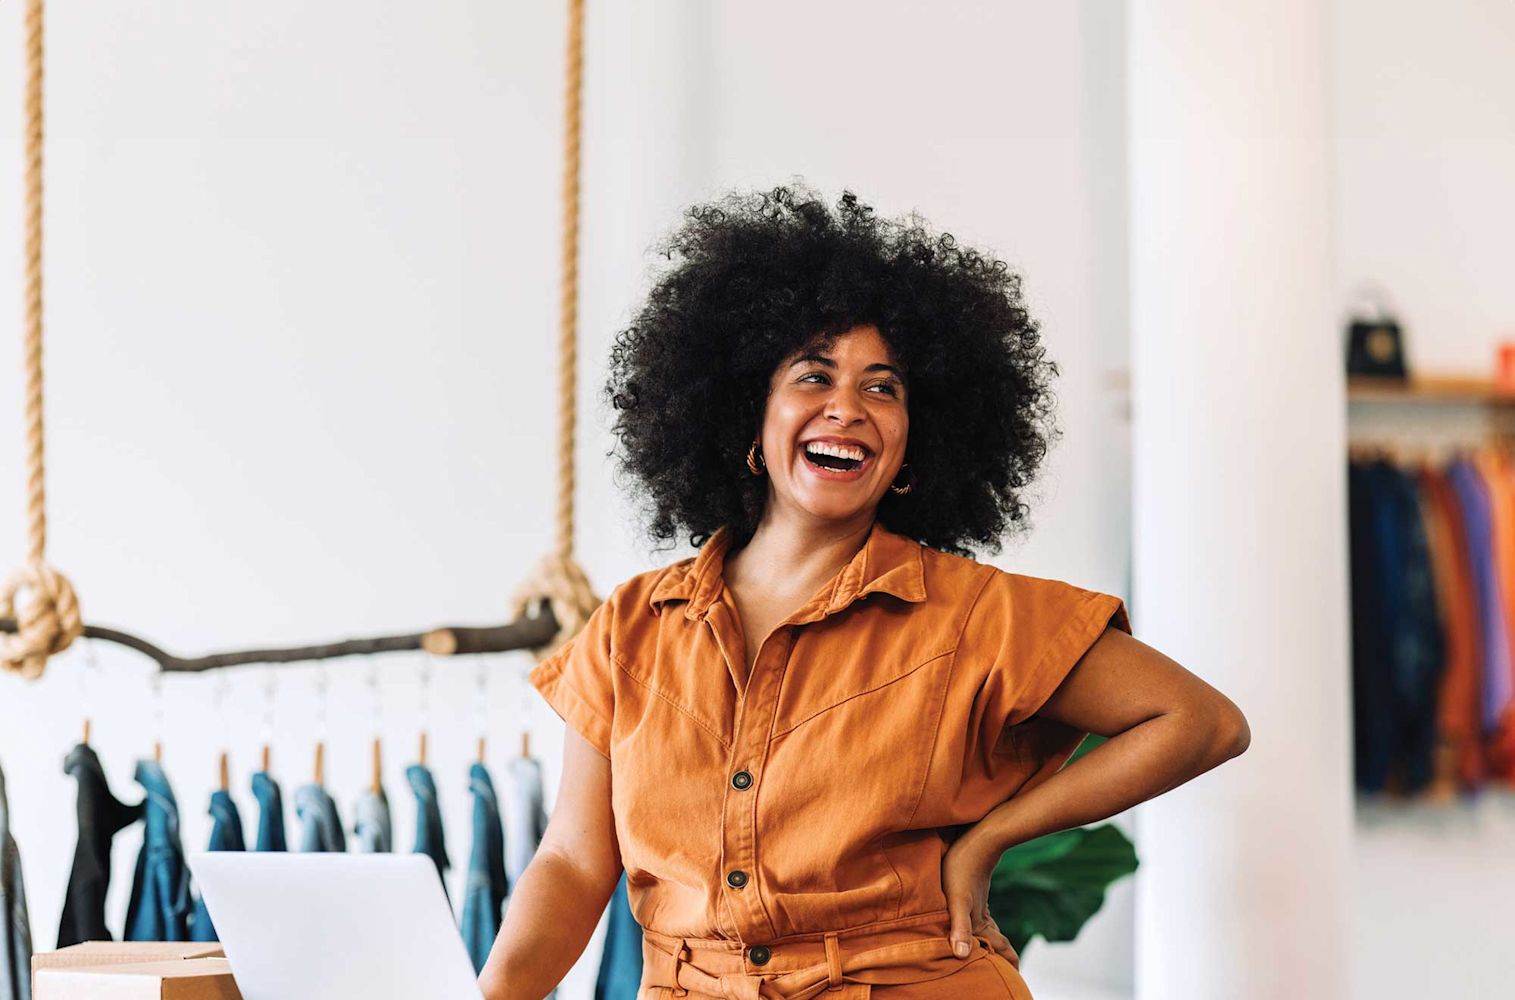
987,929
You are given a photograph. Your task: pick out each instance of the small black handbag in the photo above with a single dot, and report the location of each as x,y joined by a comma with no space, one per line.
1375,347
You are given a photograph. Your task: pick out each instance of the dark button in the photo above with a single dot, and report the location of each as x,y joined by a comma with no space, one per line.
759,954
742,780
736,879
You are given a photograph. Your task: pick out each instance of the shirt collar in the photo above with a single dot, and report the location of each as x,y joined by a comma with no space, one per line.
887,562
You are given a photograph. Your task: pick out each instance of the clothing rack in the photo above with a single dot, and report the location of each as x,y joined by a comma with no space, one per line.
529,632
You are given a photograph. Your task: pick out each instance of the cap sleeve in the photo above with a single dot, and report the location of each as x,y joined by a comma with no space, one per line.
1026,634
577,680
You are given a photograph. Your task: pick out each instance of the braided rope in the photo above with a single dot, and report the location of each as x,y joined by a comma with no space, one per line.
558,578
50,621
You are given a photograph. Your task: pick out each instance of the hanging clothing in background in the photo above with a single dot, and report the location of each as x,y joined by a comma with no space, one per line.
525,822
1473,496
160,902
1460,760
430,837
225,835
487,887
621,962
270,813
526,819
1496,479
320,826
1397,641
372,828
100,817
15,925
1499,478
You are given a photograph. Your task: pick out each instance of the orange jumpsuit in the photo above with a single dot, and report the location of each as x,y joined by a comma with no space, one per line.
783,833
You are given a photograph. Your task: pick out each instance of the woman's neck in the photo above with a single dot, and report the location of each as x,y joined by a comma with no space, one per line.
789,554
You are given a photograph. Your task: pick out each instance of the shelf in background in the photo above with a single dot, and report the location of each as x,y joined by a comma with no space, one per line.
1427,389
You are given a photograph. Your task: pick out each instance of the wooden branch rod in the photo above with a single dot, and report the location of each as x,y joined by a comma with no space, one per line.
450,640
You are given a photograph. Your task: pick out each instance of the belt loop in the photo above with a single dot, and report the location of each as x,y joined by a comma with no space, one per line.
833,962
680,957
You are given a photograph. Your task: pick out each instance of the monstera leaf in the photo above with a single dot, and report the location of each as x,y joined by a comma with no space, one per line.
1050,887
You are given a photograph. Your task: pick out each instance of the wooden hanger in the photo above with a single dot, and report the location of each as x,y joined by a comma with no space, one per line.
320,770
525,744
481,749
225,772
376,779
422,757
85,741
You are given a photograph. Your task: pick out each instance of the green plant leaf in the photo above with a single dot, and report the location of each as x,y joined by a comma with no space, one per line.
1051,886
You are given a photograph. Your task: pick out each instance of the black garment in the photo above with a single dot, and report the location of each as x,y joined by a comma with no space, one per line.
1397,645
100,815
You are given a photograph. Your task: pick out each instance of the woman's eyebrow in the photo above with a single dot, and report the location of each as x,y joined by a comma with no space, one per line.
821,360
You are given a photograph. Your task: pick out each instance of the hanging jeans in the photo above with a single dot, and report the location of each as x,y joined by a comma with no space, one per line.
320,827
621,961
160,903
15,925
270,813
430,839
486,887
225,835
372,827
100,817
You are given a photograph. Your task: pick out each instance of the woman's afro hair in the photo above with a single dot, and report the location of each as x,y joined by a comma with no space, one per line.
751,279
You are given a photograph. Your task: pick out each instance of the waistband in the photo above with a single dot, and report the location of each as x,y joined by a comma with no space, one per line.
835,965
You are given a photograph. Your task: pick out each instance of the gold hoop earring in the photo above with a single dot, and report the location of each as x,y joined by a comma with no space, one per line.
753,459
895,489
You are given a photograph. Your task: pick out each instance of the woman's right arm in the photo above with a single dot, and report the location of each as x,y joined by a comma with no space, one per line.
557,902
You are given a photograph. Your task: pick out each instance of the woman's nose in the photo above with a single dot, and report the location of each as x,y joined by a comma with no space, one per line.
844,405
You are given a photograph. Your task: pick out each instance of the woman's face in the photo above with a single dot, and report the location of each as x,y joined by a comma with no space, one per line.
851,394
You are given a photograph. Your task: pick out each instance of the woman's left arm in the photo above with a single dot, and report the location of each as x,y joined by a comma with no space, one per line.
1164,726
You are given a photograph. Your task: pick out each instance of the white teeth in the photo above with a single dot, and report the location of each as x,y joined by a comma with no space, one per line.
835,450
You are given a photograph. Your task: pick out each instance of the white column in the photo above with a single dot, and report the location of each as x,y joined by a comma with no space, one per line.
1239,519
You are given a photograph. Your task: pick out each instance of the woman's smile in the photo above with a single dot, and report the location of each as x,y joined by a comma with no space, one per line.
845,475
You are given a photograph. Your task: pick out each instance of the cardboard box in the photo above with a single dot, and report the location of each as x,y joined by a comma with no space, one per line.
175,979
123,952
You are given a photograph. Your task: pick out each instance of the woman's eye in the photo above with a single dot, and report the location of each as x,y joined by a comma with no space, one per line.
889,387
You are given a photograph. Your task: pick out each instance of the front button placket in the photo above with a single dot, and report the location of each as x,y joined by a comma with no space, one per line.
755,710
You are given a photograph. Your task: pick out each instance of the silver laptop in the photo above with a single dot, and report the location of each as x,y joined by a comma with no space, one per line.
335,926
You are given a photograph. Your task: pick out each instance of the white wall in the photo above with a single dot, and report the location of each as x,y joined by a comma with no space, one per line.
301,303
1425,209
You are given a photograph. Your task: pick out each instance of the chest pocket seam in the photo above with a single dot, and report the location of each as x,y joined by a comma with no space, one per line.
681,709
932,658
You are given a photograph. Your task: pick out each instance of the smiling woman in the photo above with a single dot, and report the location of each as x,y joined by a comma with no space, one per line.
807,744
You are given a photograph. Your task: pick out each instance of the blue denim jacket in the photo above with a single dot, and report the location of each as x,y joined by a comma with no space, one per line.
270,813
430,839
527,819
160,903
320,826
372,826
15,928
621,961
225,835
100,816
486,887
